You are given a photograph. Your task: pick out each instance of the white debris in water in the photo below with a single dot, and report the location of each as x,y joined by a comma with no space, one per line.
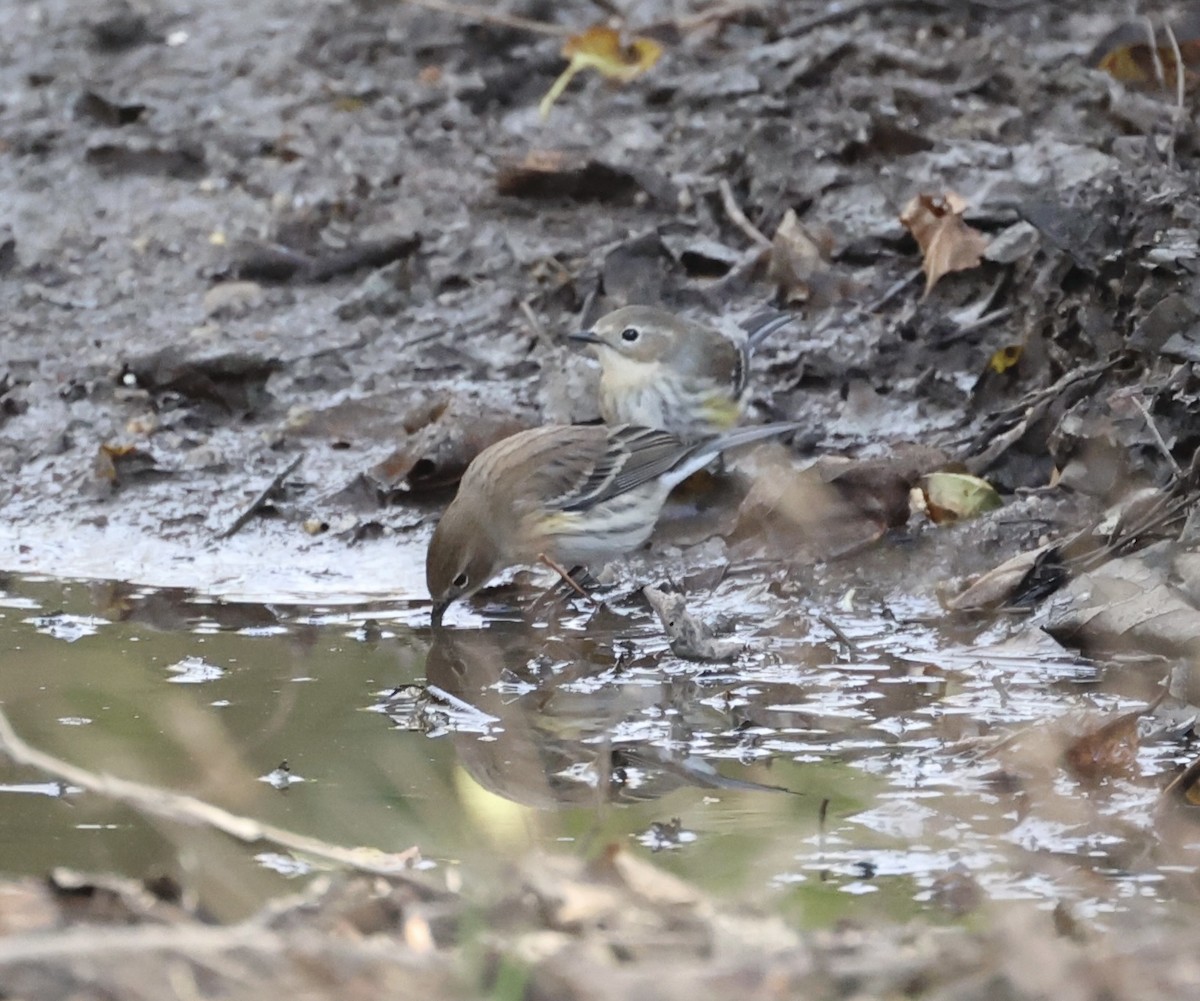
194,671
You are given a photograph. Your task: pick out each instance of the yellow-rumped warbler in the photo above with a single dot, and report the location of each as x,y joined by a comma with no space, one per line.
665,371
569,493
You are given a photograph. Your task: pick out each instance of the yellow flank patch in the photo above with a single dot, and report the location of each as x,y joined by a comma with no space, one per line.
557,523
722,411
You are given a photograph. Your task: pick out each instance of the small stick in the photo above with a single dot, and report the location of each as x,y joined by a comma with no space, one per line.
539,331
846,641
1152,41
738,217
566,576
987,319
1178,116
1158,438
183,809
264,495
893,292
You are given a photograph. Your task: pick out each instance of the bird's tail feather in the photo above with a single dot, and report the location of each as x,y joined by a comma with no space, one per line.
703,452
764,327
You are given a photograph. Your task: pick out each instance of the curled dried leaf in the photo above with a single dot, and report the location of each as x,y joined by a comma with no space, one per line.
948,496
947,243
689,636
1107,751
600,48
799,264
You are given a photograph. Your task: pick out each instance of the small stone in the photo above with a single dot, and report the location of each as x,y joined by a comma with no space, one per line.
232,298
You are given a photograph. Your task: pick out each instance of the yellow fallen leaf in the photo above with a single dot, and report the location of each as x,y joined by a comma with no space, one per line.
952,496
1004,359
600,48
946,241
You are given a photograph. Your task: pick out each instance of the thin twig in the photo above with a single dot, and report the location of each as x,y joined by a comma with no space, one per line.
260,501
836,15
90,943
536,325
852,648
609,8
895,290
1158,438
984,321
738,217
190,810
1152,41
1177,118
487,15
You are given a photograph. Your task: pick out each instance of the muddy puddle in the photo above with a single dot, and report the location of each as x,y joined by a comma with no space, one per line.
854,760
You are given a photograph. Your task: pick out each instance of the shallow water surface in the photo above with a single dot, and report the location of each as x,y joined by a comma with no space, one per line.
850,760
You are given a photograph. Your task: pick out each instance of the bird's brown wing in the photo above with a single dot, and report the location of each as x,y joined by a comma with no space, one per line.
570,467
630,457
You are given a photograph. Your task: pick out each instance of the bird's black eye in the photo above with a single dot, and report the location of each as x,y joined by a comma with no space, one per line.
460,580
630,334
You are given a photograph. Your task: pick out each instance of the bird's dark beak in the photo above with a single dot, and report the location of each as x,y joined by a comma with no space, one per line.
435,616
584,337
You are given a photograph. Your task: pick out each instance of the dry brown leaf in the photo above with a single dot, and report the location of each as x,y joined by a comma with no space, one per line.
834,506
689,636
1106,752
438,455
799,265
116,463
600,48
947,243
1001,584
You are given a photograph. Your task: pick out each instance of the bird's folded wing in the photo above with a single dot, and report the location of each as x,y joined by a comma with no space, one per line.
632,457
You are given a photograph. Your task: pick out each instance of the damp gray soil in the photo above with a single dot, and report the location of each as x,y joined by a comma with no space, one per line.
272,273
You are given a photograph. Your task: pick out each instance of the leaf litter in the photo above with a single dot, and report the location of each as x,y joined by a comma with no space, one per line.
169,394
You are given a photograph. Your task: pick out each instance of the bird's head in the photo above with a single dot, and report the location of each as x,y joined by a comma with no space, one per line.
636,333
462,557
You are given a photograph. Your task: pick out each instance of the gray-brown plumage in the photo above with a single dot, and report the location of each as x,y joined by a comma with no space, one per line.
576,494
665,371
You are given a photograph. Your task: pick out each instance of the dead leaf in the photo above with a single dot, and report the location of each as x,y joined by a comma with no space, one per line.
1106,752
947,243
232,298
438,454
945,496
799,265
689,636
117,464
600,48
1020,580
647,883
232,383
1129,603
832,507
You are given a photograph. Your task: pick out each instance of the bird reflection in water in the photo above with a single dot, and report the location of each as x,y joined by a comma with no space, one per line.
538,720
